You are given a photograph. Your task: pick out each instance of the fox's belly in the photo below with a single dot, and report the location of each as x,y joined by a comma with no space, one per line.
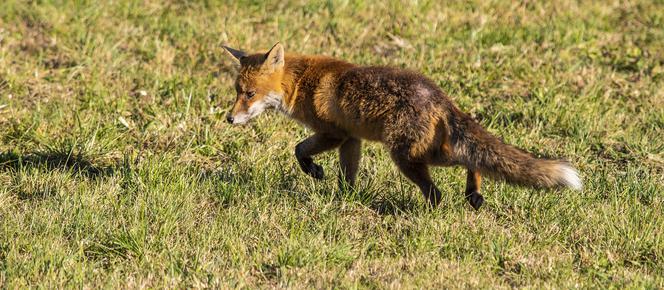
372,131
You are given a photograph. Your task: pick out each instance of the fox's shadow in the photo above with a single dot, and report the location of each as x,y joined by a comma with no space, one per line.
378,199
382,201
386,206
75,163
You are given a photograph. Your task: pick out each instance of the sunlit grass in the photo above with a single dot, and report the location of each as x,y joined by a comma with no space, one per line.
117,168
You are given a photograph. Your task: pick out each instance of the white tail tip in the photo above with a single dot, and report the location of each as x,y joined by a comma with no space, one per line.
570,177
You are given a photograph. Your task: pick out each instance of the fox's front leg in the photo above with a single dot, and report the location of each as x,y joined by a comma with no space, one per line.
305,150
349,160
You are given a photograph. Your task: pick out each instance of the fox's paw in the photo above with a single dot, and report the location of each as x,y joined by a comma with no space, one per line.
309,167
475,199
314,170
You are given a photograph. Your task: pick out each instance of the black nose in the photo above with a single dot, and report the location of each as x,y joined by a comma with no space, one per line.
229,119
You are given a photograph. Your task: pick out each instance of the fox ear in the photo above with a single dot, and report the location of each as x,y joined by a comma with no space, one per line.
236,54
274,59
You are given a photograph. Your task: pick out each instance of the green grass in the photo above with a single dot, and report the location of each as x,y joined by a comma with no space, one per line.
117,168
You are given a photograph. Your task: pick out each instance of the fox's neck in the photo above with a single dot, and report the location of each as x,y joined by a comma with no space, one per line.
294,70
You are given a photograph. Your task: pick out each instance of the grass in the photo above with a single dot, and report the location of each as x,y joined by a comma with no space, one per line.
118,170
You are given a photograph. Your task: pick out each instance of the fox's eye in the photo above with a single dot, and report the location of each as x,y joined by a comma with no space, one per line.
250,94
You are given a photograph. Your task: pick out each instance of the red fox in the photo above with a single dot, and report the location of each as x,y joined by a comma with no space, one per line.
344,103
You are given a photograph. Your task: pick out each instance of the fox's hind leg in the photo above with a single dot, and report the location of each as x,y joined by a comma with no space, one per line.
418,173
311,146
473,182
349,160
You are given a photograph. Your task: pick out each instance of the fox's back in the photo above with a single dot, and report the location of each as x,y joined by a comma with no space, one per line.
369,93
383,101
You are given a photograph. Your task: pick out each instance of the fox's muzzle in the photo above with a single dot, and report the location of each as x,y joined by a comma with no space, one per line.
239,118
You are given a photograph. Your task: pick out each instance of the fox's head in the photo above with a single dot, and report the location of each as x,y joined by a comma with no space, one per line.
258,84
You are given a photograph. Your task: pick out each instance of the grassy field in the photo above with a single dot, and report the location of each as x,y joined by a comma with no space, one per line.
118,169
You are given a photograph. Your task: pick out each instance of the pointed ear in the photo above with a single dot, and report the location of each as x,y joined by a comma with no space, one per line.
236,54
274,59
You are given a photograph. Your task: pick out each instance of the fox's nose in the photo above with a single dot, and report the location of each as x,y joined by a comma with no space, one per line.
229,119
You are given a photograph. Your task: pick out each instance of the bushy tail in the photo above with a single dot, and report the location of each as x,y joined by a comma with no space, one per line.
478,149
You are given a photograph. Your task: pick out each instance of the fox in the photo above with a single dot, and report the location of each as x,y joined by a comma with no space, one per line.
420,126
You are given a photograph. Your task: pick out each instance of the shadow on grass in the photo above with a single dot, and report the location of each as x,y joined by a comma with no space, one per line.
388,206
53,160
383,201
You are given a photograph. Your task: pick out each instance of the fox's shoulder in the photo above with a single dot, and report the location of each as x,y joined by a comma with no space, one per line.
319,62
321,68
386,72
387,76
